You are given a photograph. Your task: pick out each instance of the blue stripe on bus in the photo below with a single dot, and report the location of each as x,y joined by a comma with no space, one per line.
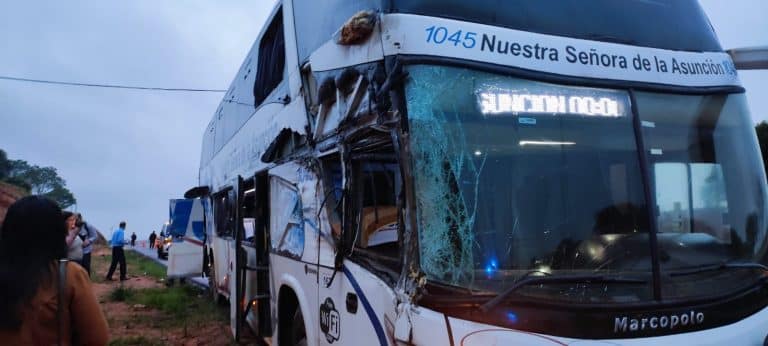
198,229
368,309
180,217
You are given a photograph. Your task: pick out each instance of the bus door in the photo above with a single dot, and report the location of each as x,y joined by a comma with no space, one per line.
293,242
360,262
252,259
223,226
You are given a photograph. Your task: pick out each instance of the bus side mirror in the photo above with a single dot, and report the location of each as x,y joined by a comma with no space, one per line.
751,58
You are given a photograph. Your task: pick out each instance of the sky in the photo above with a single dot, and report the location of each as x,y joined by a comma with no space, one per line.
738,24
125,153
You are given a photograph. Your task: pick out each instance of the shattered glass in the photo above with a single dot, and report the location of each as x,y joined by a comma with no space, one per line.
501,169
287,224
516,178
446,213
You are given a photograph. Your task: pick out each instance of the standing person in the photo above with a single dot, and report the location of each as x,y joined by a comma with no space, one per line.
37,308
88,234
74,243
118,256
152,238
133,239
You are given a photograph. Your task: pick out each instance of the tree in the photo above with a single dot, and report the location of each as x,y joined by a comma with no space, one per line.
18,168
5,165
16,174
43,181
61,195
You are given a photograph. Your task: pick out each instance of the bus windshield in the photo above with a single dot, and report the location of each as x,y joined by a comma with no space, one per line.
515,178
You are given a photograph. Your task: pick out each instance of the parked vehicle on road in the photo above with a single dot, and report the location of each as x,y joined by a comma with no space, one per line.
163,247
186,234
163,242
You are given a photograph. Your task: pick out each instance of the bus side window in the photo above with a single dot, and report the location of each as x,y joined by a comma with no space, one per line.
376,185
271,63
378,216
223,213
286,219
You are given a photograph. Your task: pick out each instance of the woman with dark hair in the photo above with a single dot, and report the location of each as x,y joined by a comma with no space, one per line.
39,306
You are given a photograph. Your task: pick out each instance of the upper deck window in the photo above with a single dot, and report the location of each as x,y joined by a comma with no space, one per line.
271,60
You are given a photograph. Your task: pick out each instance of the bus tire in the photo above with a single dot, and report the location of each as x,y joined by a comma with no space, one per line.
298,332
290,330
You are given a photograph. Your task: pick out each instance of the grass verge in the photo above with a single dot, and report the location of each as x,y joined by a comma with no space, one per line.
170,313
120,294
182,306
144,265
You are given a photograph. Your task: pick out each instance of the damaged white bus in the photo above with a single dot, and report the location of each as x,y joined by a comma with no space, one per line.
424,172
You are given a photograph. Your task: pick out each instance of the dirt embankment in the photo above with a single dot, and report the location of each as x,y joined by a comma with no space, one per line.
8,194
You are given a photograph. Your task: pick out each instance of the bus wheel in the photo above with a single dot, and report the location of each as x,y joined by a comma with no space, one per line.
298,332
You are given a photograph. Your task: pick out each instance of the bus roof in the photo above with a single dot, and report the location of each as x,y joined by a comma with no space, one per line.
666,24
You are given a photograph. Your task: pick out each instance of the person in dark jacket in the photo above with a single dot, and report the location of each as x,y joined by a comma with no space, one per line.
152,238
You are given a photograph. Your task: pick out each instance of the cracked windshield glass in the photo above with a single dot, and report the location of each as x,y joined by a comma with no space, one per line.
538,179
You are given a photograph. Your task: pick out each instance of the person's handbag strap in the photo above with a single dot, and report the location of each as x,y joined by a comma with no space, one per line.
62,282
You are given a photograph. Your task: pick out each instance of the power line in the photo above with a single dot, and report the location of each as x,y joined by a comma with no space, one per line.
114,86
238,103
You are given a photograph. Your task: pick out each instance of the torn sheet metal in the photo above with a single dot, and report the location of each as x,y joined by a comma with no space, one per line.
242,154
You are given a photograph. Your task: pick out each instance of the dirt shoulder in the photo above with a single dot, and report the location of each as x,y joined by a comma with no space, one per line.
143,311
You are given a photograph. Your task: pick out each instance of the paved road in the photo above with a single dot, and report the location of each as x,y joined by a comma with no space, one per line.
148,253
152,254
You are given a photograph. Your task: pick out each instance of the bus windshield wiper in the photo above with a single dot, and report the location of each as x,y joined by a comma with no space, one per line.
533,280
720,266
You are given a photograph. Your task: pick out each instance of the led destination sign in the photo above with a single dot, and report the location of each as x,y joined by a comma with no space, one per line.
516,103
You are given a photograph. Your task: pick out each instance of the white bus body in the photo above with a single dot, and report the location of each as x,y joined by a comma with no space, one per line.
367,185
